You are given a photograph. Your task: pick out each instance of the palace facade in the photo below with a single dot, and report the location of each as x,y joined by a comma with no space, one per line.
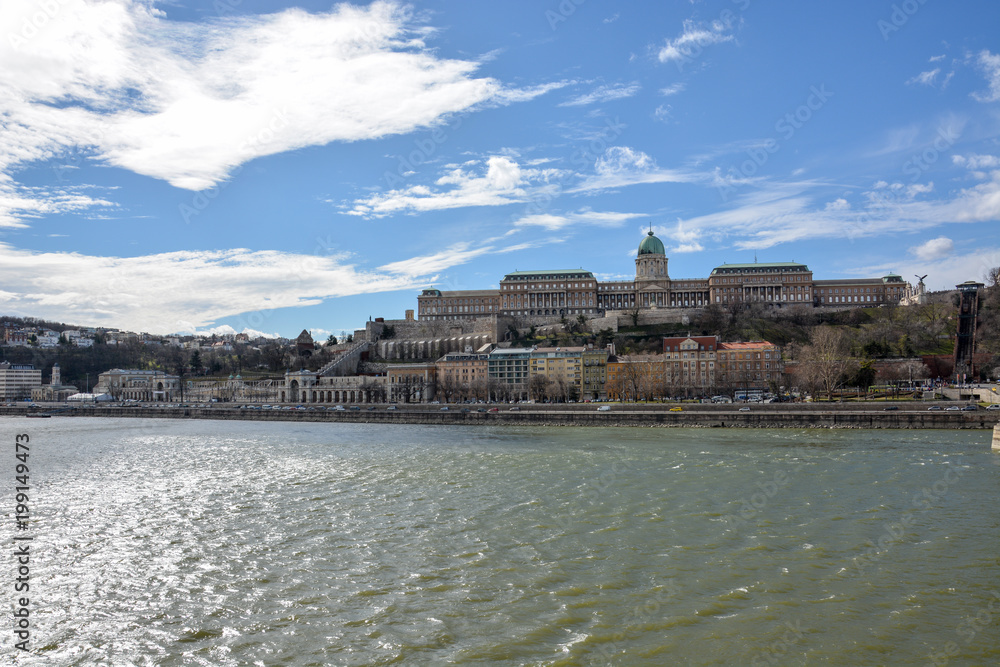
572,292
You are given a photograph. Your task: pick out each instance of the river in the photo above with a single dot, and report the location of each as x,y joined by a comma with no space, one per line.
175,542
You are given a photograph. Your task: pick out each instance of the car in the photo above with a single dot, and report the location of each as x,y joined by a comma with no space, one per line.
355,407
678,408
952,408
604,408
370,408
995,406
494,410
744,409
392,407
480,409
890,408
970,408
465,411
444,408
934,407
339,408
515,409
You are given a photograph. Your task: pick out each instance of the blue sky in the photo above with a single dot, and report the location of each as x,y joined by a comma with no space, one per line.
196,167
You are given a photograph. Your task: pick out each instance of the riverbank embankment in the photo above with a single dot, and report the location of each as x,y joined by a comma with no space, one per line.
858,416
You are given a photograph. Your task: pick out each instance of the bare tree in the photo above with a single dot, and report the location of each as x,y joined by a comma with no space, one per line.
826,361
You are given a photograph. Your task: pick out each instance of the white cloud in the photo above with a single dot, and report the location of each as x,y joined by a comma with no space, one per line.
604,94
925,78
934,249
621,166
179,291
663,112
839,204
504,182
585,216
692,39
672,90
989,63
190,102
974,161
458,253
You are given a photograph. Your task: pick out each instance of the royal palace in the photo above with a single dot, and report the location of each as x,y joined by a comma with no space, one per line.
572,292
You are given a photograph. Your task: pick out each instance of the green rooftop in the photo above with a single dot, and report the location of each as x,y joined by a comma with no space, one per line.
760,265
550,273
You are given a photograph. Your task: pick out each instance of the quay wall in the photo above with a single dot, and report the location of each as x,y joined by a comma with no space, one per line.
536,416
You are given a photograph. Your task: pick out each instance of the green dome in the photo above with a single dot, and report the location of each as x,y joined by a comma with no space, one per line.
651,246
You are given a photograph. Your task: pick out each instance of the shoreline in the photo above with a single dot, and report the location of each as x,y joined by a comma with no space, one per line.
806,416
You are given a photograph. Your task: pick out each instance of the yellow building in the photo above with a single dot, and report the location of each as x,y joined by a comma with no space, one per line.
556,373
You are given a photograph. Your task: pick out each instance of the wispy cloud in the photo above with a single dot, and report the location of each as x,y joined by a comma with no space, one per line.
925,78
190,102
672,89
604,94
179,291
989,63
622,166
504,182
693,36
585,216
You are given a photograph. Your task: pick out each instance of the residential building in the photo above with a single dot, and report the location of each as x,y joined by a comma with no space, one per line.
18,380
462,375
635,378
755,365
556,373
509,368
690,363
595,371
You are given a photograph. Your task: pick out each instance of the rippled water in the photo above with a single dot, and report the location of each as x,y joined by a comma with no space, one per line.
169,542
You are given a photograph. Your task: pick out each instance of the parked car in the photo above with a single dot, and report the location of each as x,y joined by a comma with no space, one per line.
494,410
677,408
515,409
604,408
890,408
392,407
970,408
480,409
995,406
952,408
934,407
744,409
444,408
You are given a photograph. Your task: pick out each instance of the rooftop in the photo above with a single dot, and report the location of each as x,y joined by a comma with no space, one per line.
551,273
